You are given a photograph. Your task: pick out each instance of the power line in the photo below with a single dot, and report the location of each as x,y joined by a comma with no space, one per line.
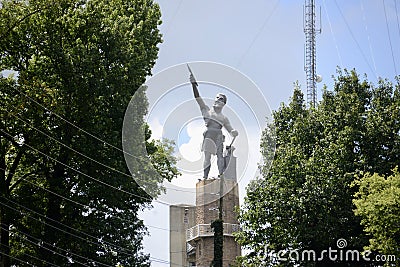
71,167
69,147
173,17
84,174
59,116
88,207
28,255
390,40
72,124
121,249
53,251
154,259
333,34
17,259
259,32
66,226
366,30
354,39
40,242
110,186
88,157
397,16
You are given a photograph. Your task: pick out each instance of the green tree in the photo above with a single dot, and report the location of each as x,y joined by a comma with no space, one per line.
66,193
378,204
304,201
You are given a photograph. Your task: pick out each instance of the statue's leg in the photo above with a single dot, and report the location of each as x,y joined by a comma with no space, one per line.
207,164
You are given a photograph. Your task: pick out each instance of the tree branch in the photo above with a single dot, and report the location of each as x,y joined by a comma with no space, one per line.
19,21
15,164
20,180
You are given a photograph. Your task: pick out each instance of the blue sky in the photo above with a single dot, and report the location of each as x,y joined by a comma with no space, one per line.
264,40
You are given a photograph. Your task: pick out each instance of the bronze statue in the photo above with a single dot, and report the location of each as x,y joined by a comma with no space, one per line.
214,120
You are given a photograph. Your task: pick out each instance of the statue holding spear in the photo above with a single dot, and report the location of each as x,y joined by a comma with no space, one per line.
214,121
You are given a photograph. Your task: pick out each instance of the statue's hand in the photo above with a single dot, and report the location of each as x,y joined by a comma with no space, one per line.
234,133
192,79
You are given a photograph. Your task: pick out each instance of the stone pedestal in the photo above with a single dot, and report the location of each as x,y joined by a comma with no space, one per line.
207,203
191,235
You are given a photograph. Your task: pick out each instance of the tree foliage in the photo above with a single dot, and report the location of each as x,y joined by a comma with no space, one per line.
378,204
66,194
304,201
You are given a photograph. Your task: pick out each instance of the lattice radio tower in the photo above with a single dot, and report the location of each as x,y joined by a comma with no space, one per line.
310,51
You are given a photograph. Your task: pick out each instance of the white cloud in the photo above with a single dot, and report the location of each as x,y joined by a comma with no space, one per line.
191,150
156,129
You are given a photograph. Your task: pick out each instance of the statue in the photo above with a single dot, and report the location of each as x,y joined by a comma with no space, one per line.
214,119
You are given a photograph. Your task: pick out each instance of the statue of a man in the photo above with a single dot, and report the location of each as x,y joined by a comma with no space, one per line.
213,137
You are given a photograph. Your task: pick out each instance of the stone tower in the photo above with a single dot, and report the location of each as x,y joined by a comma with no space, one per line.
191,235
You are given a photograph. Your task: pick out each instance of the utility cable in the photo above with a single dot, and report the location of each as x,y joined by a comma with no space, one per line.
121,249
72,124
39,242
84,174
333,34
259,32
90,158
17,259
173,17
69,147
84,206
151,258
390,39
354,39
397,15
366,30
68,227
52,251
30,256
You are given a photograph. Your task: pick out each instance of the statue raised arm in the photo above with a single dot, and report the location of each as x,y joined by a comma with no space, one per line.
214,121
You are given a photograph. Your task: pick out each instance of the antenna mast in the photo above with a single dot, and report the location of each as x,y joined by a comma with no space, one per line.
310,51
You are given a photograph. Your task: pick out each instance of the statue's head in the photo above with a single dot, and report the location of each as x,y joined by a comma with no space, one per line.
220,100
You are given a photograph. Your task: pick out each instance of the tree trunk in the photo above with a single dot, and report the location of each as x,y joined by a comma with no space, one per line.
55,180
4,220
53,217
4,238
